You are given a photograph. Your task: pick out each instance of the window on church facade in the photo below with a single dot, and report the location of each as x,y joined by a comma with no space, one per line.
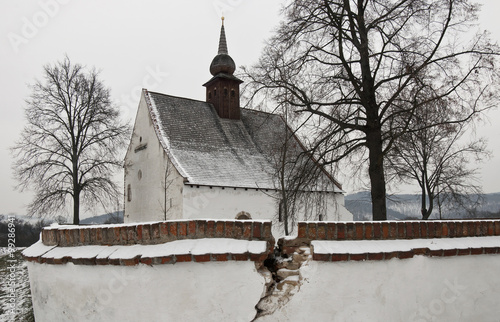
243,215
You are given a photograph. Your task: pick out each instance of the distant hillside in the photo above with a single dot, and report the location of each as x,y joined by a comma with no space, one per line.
28,229
111,218
407,206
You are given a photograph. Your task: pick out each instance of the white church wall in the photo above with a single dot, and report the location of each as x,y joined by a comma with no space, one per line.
339,205
227,203
212,291
329,205
147,172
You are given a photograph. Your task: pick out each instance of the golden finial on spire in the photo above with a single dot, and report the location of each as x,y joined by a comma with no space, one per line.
222,18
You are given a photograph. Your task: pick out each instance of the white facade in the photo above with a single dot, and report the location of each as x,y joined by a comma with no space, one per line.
227,203
153,187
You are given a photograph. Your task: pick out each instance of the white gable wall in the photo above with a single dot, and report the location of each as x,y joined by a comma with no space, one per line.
146,156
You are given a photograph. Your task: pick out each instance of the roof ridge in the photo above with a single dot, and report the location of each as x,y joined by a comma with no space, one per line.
175,96
259,111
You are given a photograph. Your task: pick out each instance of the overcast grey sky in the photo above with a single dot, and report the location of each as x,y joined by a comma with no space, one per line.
164,46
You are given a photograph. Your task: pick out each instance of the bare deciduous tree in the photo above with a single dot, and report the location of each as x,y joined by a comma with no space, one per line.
433,153
69,148
357,65
301,183
167,182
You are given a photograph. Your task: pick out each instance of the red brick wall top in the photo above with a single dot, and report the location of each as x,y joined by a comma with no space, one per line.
342,234
156,233
383,230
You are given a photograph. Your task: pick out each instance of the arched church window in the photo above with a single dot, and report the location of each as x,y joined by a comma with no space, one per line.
129,193
225,91
232,93
243,215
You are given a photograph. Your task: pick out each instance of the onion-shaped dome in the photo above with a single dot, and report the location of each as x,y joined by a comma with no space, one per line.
222,63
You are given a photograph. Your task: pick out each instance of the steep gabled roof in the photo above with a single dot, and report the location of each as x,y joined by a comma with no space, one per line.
212,151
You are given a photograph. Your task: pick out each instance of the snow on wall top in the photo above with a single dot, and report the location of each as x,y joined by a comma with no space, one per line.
211,151
154,243
359,241
401,245
175,251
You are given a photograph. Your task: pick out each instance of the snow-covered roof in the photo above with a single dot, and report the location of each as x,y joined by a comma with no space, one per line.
212,151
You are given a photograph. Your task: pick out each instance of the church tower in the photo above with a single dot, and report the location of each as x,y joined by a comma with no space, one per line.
223,90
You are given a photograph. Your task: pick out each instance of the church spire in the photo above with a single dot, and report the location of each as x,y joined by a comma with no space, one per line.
222,63
223,90
222,40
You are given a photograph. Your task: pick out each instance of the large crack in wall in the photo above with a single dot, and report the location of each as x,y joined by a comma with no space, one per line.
283,279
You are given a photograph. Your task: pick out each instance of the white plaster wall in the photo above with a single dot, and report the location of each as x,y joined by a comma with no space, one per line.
218,203
461,288
213,291
339,204
148,193
205,202
330,205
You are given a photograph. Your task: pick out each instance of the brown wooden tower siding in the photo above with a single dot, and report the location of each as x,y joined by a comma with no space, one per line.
223,90
224,94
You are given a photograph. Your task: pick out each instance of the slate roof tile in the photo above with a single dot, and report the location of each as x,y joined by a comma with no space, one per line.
211,151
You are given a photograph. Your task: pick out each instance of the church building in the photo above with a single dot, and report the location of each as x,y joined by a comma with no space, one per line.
212,159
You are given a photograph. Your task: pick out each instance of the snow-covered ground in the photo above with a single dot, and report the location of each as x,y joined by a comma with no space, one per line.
14,272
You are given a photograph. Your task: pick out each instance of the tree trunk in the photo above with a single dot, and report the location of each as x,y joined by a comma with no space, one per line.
284,208
285,218
76,207
431,205
76,191
423,208
377,176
